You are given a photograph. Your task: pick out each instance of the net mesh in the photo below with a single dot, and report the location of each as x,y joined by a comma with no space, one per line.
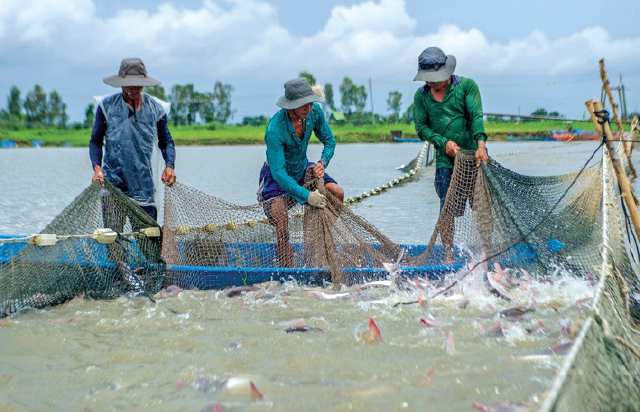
602,371
279,238
36,276
529,222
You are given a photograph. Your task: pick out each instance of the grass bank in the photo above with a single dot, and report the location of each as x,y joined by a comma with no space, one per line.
236,135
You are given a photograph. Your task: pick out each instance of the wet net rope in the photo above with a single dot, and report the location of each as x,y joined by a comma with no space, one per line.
411,169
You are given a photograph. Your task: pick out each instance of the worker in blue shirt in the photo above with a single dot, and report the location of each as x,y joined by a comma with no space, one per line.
282,175
129,124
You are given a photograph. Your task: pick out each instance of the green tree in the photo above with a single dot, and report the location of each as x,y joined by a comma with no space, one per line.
353,97
394,103
222,112
308,76
89,115
56,111
14,104
555,114
35,106
540,112
157,91
407,117
203,105
181,99
328,96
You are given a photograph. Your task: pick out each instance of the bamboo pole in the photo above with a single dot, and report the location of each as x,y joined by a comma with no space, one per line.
616,117
635,130
623,180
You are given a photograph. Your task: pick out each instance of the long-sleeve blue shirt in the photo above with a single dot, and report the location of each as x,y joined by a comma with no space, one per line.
287,153
165,141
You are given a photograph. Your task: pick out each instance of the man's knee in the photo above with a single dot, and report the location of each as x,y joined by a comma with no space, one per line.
335,190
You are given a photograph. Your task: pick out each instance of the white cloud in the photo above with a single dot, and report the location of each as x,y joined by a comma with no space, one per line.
243,43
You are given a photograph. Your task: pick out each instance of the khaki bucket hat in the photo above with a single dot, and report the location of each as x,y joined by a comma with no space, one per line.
297,93
132,73
434,66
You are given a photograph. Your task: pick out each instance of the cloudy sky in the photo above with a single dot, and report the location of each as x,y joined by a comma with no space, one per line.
523,55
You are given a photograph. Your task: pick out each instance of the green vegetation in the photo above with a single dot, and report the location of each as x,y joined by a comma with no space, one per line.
41,117
215,134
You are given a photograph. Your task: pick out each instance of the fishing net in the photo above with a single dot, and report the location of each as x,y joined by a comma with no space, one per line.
602,371
538,223
75,255
210,243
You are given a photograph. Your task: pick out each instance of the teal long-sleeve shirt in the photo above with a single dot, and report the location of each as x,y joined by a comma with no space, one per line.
458,118
287,153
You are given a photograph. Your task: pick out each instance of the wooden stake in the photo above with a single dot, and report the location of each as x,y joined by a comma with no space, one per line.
623,180
614,108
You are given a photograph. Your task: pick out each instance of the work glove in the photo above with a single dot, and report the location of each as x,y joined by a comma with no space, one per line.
317,199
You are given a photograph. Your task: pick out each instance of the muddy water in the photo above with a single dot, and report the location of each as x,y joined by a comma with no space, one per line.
202,348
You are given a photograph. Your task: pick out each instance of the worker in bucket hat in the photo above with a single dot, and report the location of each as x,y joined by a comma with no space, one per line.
128,126
283,174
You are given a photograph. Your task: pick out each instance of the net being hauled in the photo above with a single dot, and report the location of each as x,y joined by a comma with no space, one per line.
37,276
203,230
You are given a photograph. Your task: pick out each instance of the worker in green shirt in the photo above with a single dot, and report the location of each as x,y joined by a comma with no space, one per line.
448,114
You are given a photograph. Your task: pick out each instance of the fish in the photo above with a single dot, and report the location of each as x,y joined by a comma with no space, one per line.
515,312
526,275
427,378
255,392
502,277
328,296
449,345
375,283
493,331
432,323
170,291
205,384
299,321
560,348
238,290
303,328
373,333
129,275
493,290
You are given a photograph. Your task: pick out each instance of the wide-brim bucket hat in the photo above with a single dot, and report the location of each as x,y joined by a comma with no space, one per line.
297,93
132,73
434,66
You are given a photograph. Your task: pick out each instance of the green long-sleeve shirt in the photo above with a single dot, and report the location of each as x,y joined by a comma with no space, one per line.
458,118
287,153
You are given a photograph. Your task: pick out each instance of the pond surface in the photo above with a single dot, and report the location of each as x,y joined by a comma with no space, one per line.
204,348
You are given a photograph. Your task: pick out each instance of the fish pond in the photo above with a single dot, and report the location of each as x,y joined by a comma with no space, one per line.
287,347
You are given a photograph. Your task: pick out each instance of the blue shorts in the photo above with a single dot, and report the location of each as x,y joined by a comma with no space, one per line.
270,188
442,183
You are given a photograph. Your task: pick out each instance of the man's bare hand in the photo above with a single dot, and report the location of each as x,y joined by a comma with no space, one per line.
98,175
168,176
318,169
451,148
481,153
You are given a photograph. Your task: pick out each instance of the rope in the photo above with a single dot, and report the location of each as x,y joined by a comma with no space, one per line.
394,182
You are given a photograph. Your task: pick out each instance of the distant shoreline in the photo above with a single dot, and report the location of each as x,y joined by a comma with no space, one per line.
213,135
